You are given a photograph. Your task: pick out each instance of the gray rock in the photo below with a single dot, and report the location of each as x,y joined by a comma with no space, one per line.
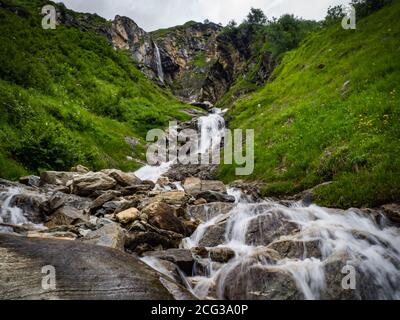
83,272
86,184
205,212
248,281
213,196
57,178
183,258
295,249
268,228
194,186
162,216
222,255
66,216
32,181
110,235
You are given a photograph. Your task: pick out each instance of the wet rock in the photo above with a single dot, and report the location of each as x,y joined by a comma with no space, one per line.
32,181
175,198
213,196
123,179
334,290
128,216
86,184
256,282
183,258
206,212
57,178
392,212
296,249
161,215
222,255
110,235
268,228
83,272
66,216
194,186
214,235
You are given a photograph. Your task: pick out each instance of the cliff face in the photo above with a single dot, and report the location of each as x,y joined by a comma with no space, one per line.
198,61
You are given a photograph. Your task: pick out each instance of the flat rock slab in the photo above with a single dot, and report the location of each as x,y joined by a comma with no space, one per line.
83,271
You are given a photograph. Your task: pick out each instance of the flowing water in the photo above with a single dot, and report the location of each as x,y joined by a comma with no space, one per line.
371,247
160,72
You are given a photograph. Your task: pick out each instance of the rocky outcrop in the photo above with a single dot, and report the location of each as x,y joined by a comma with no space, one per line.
198,61
82,272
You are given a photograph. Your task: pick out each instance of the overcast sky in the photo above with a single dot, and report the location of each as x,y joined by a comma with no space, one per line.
156,14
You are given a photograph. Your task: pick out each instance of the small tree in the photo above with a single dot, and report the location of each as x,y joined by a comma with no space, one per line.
256,16
231,24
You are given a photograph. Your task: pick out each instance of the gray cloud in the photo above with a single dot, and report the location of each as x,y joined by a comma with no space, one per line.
156,14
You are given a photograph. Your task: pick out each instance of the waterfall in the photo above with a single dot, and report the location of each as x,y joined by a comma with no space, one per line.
373,248
160,72
211,129
10,214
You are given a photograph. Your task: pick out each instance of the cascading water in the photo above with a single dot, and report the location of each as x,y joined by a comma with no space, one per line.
211,129
374,249
160,72
10,214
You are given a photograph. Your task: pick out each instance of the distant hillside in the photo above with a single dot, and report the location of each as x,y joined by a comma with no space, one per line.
67,97
331,113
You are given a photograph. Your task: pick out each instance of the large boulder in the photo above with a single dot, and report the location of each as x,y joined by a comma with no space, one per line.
87,184
214,235
66,215
221,254
122,178
297,249
205,212
82,272
128,216
161,215
175,198
183,258
194,186
32,181
110,235
57,178
250,280
269,227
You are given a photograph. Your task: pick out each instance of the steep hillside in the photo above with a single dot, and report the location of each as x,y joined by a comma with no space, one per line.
331,114
67,97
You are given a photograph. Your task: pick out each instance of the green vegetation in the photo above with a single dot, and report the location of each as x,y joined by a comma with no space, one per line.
331,113
66,97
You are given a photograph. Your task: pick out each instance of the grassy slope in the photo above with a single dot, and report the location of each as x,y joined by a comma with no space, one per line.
67,97
310,128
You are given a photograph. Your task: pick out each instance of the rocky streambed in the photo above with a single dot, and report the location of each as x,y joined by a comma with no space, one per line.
170,232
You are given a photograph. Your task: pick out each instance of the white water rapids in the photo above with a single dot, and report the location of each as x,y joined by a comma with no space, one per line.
373,248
